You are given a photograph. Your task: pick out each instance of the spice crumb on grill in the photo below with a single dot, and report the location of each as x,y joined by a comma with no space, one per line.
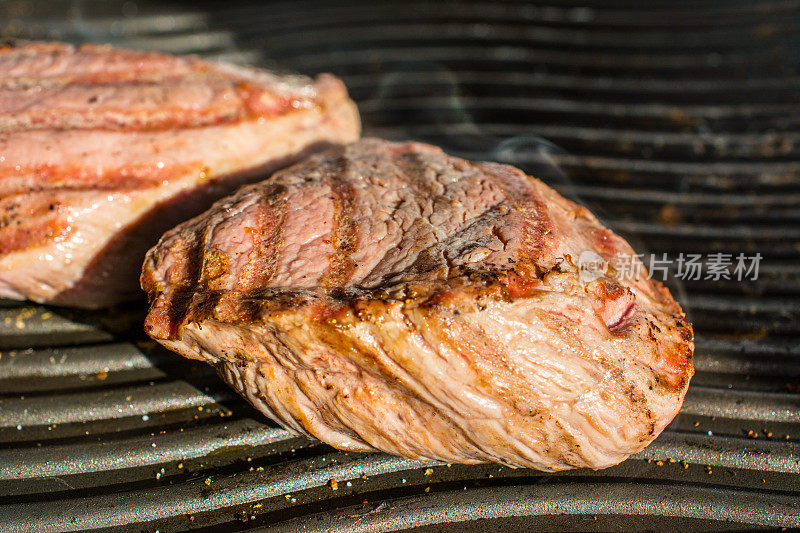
792,387
669,215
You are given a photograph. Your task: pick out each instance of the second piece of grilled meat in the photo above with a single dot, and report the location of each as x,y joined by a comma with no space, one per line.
102,150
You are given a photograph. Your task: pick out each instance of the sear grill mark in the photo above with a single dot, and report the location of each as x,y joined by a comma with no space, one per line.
15,236
17,179
267,235
59,87
344,238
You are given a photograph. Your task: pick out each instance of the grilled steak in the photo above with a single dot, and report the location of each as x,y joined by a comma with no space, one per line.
387,296
102,150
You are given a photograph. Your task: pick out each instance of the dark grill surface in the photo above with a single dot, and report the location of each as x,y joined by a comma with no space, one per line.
676,122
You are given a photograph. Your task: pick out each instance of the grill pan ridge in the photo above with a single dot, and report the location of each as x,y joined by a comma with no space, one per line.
678,123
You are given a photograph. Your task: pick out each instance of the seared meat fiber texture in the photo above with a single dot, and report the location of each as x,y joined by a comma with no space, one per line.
386,296
102,150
